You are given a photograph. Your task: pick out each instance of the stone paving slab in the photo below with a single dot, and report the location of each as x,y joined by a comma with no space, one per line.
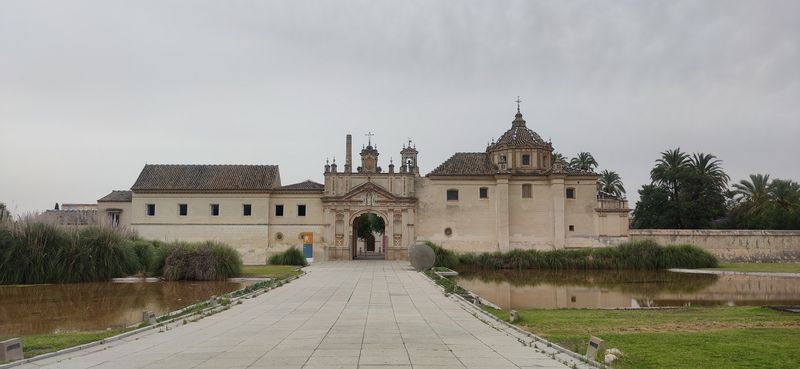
364,314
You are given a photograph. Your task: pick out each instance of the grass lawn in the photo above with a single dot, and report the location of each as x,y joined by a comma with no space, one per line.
271,271
717,337
43,343
760,267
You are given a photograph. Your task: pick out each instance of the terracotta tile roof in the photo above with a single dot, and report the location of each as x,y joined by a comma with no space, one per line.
307,185
467,164
159,177
117,196
518,136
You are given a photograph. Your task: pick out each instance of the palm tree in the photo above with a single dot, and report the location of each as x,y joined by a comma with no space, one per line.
669,169
784,193
584,161
707,166
611,182
557,156
753,194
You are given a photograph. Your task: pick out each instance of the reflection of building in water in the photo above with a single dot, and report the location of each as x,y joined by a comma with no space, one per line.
727,290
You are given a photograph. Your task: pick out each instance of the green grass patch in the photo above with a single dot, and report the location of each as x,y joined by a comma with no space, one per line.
719,337
760,267
38,344
270,271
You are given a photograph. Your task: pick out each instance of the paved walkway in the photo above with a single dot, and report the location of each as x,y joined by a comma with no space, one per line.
366,314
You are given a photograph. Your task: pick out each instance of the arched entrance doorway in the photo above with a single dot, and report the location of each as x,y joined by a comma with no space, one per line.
369,237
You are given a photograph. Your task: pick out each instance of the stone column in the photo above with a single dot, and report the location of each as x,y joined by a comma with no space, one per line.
502,212
559,231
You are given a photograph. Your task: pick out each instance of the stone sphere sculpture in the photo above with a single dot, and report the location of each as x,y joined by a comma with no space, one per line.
421,256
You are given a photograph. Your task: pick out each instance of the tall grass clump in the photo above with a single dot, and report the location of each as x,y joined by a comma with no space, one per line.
634,255
291,256
40,252
204,261
444,257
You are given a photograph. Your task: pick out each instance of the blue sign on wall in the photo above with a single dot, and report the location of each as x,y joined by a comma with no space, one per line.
308,251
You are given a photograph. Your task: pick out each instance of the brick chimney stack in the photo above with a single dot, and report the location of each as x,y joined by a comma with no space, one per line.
348,163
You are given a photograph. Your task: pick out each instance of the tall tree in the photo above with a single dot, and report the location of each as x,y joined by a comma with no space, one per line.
584,161
695,186
669,170
753,194
708,167
761,203
785,194
557,156
611,183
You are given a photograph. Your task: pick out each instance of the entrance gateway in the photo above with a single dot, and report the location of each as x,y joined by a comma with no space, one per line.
370,211
369,239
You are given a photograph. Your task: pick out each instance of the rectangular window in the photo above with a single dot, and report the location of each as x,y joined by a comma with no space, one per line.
151,210
527,191
214,210
183,210
570,193
278,210
301,210
526,160
571,228
247,210
114,219
452,195
484,193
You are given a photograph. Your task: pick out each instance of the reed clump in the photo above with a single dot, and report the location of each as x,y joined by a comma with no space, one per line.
204,261
633,255
292,256
34,252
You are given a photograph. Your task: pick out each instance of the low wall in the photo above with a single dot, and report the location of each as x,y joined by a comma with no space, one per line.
731,245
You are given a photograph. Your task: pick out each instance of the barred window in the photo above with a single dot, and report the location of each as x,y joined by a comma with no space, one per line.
527,191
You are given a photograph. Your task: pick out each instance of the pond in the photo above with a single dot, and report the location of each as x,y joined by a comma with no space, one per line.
537,289
51,308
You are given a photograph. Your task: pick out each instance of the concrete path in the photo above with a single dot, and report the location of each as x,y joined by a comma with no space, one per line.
365,314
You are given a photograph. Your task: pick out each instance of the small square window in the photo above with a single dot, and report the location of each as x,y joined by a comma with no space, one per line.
527,191
571,228
183,209
214,210
570,193
301,210
452,195
247,210
278,210
526,160
484,193
151,210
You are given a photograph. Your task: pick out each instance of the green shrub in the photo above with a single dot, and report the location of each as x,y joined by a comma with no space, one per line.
639,255
38,252
205,261
292,256
444,257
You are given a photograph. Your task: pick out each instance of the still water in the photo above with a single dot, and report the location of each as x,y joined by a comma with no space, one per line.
536,289
94,306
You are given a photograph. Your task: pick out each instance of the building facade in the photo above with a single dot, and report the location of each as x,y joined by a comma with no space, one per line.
511,195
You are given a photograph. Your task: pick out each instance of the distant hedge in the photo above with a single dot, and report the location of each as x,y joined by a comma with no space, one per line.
636,255
39,252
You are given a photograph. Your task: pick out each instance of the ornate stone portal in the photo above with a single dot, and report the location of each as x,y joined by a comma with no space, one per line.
368,189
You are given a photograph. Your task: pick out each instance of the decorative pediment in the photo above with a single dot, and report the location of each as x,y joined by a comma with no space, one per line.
369,194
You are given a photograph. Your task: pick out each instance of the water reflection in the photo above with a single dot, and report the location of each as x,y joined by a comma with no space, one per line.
626,289
93,306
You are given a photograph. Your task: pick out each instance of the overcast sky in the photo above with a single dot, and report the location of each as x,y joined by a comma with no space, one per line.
90,91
